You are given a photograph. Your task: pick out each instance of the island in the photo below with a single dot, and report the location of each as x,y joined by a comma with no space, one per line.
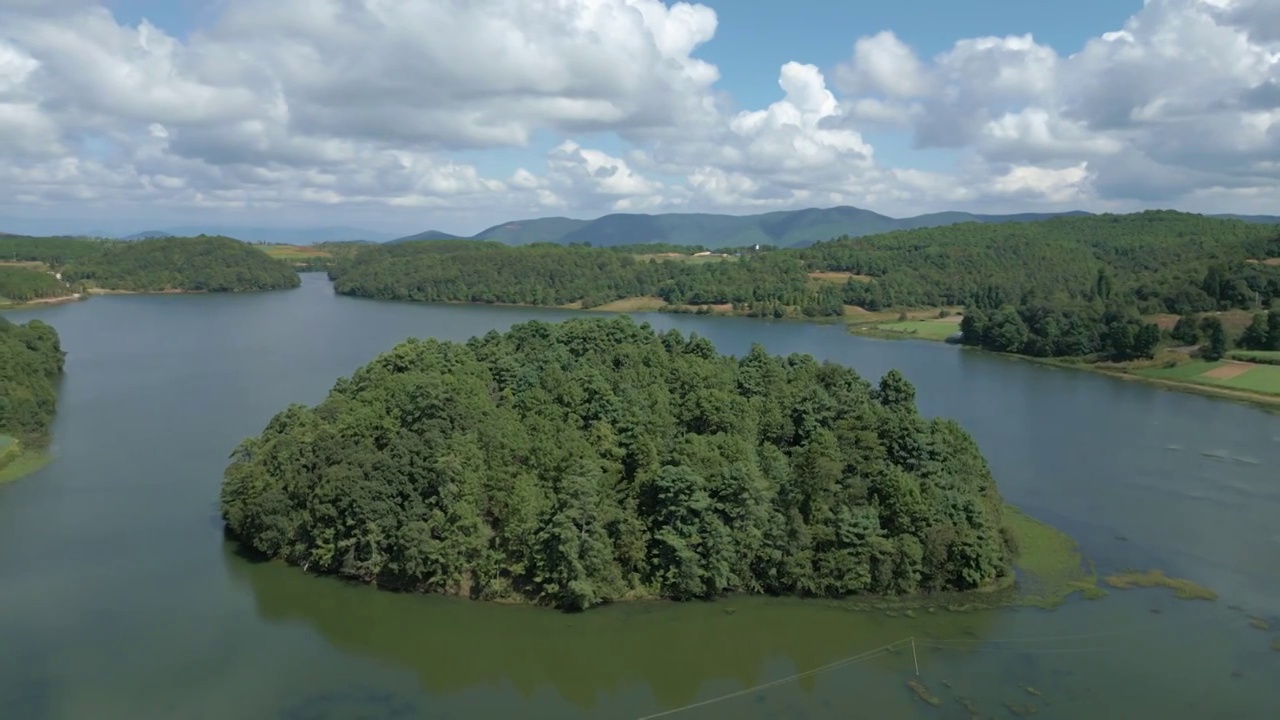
1175,298
31,360
157,265
597,460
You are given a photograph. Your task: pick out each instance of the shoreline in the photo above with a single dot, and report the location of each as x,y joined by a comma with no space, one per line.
1263,401
23,464
44,302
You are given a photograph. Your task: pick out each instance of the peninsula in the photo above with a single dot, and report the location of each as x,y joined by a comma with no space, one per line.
31,359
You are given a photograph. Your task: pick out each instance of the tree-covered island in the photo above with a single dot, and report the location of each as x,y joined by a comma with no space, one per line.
597,460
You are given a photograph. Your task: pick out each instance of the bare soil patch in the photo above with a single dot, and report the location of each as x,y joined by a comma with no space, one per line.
838,277
1227,371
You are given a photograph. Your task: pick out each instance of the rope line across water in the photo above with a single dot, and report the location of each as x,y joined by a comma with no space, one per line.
824,668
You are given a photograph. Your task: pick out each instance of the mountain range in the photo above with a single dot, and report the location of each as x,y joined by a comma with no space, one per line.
790,228
296,236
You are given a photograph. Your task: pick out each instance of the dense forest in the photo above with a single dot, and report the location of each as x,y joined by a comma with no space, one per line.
21,284
595,460
199,264
30,362
1069,286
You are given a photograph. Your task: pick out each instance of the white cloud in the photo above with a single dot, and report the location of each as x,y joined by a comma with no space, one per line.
367,103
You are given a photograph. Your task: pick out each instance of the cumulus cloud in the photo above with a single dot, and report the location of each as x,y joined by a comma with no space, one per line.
345,103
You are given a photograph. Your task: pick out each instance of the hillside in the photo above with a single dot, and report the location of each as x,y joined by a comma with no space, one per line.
791,228
23,284
1066,286
203,264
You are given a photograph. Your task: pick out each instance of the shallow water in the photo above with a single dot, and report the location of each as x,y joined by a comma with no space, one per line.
120,599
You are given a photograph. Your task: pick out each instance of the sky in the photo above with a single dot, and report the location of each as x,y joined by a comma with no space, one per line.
404,115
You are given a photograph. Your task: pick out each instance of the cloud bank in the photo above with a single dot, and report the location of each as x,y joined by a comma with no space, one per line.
304,105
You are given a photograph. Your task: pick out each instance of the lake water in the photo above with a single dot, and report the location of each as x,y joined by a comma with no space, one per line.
120,599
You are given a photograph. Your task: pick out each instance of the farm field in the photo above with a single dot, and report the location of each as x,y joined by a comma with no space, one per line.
294,252
923,329
1231,374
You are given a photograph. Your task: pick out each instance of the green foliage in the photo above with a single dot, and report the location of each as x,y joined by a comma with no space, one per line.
31,359
20,284
595,460
469,271
53,251
1215,338
1186,331
1063,287
200,264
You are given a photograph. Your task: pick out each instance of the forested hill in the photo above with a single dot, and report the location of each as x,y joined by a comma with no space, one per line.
22,284
596,460
31,359
788,228
1071,286
1159,261
199,264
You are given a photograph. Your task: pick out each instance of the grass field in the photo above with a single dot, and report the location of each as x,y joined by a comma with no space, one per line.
294,253
633,304
1267,357
681,257
837,278
924,329
1229,374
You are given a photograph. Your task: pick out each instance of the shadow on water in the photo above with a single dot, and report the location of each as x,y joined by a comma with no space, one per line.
672,649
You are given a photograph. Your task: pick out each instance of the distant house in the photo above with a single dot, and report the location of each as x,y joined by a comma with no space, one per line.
704,253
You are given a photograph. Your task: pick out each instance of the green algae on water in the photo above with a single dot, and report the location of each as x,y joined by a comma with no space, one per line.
1182,589
1259,623
24,463
1049,563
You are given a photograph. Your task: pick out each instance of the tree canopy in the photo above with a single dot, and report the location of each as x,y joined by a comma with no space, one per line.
1066,286
578,463
200,264
20,284
30,361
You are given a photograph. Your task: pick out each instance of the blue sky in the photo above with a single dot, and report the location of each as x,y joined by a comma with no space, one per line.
409,114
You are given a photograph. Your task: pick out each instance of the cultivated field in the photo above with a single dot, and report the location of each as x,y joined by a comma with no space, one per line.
294,253
681,257
1230,374
838,278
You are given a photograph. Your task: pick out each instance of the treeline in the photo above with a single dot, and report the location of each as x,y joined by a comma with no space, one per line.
545,274
1067,286
597,460
20,284
31,360
199,264
1156,261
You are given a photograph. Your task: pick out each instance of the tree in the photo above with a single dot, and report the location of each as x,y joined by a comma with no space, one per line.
1255,336
1273,330
1186,331
1215,346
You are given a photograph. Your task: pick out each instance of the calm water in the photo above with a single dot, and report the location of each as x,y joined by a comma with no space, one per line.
119,598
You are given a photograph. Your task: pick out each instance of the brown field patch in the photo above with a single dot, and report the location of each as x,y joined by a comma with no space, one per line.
833,276
1266,261
1226,371
1165,321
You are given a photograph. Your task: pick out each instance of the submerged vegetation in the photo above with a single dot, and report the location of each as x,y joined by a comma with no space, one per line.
1183,589
31,360
1049,563
597,460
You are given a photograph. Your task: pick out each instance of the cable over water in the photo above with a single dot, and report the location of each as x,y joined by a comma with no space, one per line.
790,678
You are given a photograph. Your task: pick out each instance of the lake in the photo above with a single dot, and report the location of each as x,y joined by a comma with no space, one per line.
119,597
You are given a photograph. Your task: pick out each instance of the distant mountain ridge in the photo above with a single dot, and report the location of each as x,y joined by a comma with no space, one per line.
787,228
294,236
